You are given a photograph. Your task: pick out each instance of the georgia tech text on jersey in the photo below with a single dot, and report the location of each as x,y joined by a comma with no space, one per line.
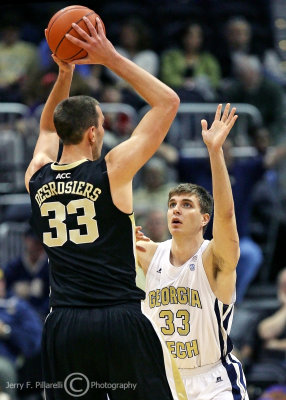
173,295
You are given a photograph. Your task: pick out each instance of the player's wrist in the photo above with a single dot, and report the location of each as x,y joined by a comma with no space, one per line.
114,61
65,73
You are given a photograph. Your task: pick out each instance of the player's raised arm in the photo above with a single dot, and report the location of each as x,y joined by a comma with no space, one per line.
47,145
127,158
225,243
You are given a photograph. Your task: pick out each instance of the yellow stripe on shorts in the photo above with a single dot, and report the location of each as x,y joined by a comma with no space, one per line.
172,372
140,276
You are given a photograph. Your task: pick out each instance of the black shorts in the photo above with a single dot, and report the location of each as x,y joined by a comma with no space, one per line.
89,353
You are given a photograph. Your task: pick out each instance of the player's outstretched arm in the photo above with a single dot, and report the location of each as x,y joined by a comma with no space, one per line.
225,243
127,158
46,149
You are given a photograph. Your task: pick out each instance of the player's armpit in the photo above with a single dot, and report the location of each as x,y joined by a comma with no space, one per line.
221,276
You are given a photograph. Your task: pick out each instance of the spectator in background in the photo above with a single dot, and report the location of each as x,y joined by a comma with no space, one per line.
268,228
264,342
154,187
38,86
20,335
155,225
28,275
238,37
190,67
134,43
272,329
250,86
18,60
277,392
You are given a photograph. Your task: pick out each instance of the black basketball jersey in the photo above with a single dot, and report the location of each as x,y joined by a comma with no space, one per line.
89,241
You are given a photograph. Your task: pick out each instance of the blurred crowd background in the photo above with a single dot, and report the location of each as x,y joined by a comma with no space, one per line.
209,51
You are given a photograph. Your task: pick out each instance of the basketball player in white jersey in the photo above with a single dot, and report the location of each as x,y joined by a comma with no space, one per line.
190,282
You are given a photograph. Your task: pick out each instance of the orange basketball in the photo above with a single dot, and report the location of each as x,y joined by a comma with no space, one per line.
60,24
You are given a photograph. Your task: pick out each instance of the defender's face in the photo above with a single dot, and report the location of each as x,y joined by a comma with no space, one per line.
184,215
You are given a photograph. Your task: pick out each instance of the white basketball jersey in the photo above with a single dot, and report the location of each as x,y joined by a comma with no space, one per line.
194,323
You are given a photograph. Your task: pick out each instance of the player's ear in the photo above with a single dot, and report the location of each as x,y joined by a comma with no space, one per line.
205,219
91,134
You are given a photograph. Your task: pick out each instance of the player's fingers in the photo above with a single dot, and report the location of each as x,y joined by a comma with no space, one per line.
140,236
232,122
231,115
140,248
80,61
76,41
225,113
145,238
91,28
99,26
218,112
204,125
81,32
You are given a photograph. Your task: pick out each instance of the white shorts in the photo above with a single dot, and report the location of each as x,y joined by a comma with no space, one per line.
219,381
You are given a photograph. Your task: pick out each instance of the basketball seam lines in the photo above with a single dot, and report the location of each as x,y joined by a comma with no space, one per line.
68,32
87,15
64,11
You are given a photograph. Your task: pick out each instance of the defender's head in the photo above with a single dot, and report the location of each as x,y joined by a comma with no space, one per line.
193,200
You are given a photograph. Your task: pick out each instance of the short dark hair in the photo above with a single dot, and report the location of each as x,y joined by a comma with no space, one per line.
73,116
204,197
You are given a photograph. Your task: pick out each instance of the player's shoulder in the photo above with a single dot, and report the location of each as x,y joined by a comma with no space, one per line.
145,253
38,162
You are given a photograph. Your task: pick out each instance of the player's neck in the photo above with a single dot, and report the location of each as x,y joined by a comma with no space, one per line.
183,248
72,153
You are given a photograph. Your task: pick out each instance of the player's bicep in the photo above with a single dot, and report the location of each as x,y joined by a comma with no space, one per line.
225,243
129,156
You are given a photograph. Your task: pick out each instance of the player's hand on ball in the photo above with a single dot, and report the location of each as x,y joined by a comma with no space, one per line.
99,49
63,66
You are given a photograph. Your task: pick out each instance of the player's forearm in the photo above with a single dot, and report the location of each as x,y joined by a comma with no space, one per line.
155,92
222,192
59,92
273,326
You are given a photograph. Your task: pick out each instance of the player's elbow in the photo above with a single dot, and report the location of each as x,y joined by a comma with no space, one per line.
226,215
170,102
174,101
264,332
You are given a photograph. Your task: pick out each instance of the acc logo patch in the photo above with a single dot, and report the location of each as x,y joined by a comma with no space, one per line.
192,267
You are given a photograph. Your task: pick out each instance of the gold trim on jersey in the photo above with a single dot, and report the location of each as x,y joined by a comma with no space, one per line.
140,277
63,167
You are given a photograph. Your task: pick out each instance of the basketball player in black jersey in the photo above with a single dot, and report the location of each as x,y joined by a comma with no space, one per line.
96,340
